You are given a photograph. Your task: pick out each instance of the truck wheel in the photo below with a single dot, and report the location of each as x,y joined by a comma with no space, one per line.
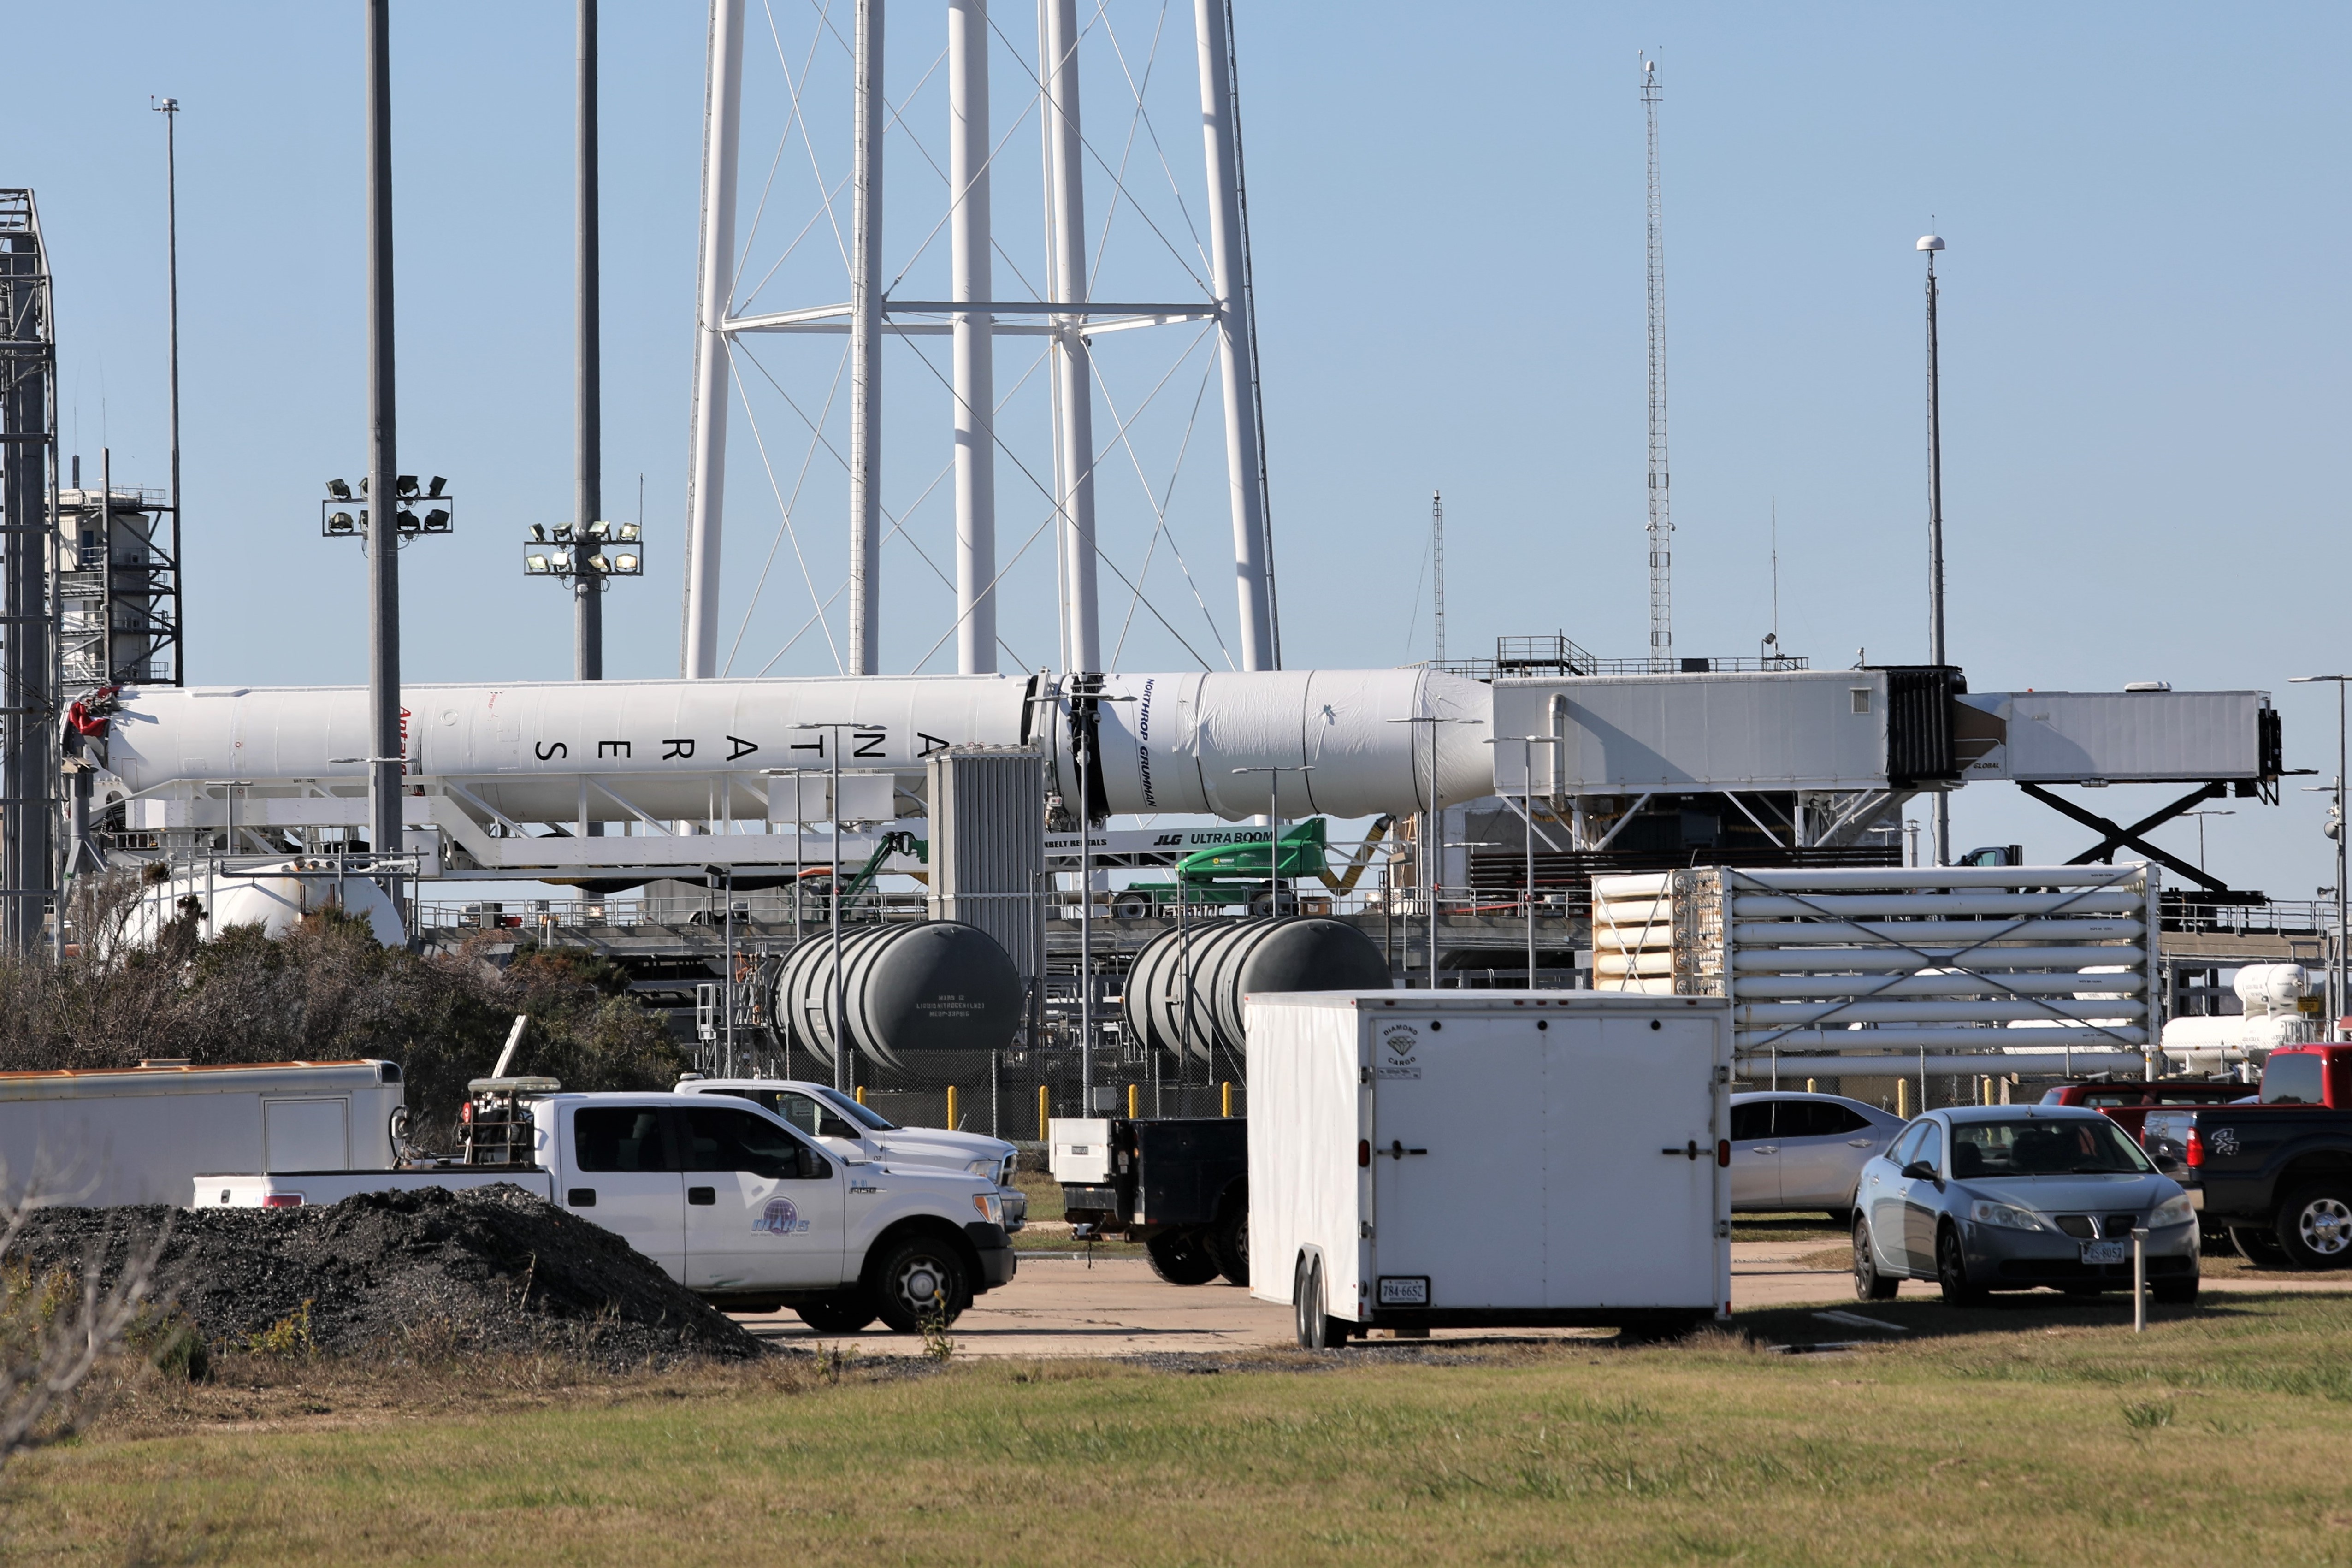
1869,1284
1227,1242
1317,1330
1133,909
2314,1227
918,1277
2258,1248
1177,1258
837,1314
1952,1271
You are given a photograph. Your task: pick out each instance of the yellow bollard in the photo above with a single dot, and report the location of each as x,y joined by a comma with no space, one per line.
952,1123
861,1094
1045,1113
1903,1098
1809,1089
1131,1111
1228,1110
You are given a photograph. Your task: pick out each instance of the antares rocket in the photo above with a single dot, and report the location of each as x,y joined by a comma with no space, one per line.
1345,743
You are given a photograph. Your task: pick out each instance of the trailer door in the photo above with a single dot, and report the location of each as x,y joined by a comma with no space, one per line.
1456,1152
1629,1151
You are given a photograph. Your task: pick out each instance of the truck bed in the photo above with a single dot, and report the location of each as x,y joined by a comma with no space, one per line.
295,1189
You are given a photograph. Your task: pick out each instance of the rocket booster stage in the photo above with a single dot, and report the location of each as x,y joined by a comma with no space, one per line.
551,751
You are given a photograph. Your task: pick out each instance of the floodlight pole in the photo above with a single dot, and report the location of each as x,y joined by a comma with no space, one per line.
387,746
588,390
170,109
1931,244
845,1072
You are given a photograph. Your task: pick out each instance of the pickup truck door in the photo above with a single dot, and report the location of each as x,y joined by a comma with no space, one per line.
763,1206
621,1170
813,1119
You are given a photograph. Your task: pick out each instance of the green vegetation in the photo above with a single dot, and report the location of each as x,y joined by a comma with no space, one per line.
2032,1431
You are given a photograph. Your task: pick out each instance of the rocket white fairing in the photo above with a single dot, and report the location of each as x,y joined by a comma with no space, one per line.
555,752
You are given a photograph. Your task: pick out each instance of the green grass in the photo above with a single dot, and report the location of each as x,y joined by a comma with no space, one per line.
2036,1430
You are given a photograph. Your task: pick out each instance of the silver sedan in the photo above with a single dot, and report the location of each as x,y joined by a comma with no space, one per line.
2000,1197
1797,1150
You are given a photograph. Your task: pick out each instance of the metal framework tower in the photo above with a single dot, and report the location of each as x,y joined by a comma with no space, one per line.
28,495
1437,577
1662,524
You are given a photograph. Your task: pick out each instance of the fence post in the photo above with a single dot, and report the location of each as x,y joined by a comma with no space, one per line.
1228,1106
861,1094
1903,1098
1130,1103
952,1124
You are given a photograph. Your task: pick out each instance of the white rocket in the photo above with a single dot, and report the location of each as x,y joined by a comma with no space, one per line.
1348,743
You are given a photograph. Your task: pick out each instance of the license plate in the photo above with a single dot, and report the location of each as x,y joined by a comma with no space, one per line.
1404,1291
2105,1251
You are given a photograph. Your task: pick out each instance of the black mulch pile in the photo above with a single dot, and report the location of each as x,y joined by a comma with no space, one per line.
428,1271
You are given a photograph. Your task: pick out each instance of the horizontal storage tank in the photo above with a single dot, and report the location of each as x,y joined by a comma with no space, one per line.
908,991
1231,959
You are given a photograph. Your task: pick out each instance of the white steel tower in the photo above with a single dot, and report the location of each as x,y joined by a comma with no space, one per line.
1661,525
1437,577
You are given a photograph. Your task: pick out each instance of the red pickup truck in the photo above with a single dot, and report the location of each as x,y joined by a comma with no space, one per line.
2275,1174
2128,1102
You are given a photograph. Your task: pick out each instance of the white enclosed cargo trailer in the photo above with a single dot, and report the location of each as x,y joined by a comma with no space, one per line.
143,1134
1449,1159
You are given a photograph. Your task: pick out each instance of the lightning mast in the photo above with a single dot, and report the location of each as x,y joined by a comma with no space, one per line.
1437,575
1662,526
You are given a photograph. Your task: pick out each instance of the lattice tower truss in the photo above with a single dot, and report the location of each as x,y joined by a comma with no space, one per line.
28,672
1662,524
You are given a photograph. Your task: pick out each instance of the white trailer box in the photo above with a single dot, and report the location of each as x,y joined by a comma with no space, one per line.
1452,1159
143,1134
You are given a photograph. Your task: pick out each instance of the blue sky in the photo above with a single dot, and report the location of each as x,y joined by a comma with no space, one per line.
2144,328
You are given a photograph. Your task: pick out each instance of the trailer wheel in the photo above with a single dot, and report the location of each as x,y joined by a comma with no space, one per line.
921,1275
1135,907
1227,1243
1317,1330
1179,1258
837,1314
2315,1227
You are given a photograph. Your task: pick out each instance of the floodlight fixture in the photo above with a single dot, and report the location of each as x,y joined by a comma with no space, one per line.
340,522
338,490
600,529
599,563
626,565
627,532
538,533
437,521
562,532
405,485
433,490
538,565
363,484
406,522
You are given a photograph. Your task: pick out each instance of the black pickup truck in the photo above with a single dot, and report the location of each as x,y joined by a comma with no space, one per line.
2276,1174
1179,1185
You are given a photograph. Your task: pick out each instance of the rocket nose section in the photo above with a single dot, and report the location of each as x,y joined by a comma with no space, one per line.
1465,712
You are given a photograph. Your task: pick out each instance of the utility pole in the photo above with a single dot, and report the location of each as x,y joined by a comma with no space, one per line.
169,109
2335,829
1931,244
588,377
866,353
386,744
1662,524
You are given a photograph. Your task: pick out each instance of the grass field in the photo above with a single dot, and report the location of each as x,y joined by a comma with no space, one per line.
2033,1431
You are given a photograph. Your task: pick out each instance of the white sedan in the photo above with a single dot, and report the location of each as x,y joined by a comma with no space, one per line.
841,1123
1801,1150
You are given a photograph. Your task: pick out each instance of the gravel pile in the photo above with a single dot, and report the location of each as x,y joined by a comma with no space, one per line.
428,1272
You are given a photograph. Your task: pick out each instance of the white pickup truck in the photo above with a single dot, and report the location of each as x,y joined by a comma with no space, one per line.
731,1202
840,1122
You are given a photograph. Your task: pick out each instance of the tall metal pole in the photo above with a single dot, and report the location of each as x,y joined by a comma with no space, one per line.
866,353
970,281
723,126
1086,931
170,108
2337,972
1662,521
587,381
1932,244
1237,350
1073,367
383,461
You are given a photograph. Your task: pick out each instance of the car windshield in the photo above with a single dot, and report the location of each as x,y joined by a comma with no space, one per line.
2043,1147
874,1121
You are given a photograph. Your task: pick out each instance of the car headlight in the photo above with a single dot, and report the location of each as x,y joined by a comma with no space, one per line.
984,1168
991,1208
2008,1216
2174,1210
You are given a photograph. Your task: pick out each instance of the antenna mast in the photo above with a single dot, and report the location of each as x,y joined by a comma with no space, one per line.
1662,526
1437,575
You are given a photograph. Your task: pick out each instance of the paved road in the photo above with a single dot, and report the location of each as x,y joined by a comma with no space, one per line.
1116,1306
